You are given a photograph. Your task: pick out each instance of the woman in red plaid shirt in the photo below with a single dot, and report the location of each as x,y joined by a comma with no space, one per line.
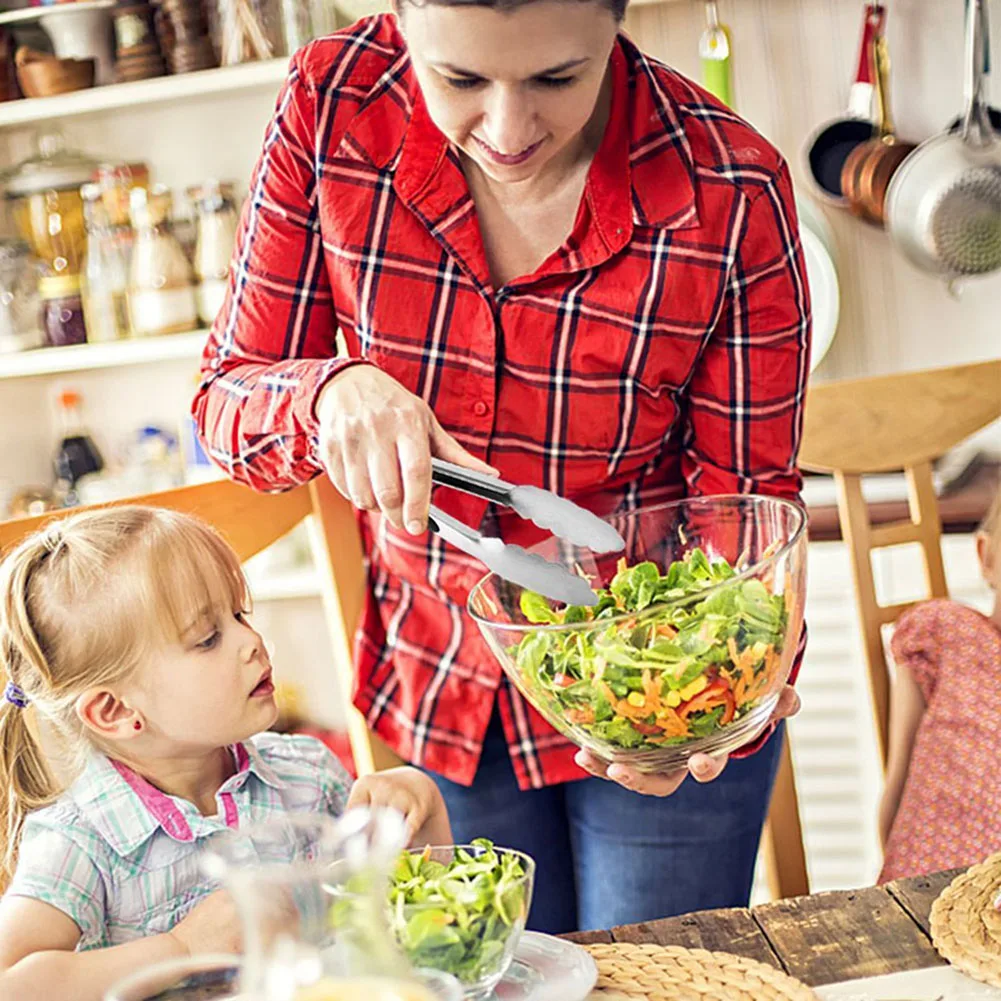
553,258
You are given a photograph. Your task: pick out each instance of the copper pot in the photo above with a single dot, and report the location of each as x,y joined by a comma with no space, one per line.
866,174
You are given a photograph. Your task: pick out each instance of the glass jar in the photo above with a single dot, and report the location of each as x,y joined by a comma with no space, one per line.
19,318
62,310
105,276
48,211
216,235
289,879
161,283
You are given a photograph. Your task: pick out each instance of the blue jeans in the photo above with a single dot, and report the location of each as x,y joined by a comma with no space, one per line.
607,856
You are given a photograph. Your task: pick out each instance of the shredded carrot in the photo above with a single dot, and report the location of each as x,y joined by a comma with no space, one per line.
665,629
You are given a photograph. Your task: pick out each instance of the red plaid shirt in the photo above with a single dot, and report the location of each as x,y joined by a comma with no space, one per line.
662,349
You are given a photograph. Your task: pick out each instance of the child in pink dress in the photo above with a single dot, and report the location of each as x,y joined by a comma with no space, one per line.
942,797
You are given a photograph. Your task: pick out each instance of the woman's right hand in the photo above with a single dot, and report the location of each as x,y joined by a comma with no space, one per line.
376,442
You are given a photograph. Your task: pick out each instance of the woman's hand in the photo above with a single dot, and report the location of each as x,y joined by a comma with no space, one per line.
702,767
376,442
411,793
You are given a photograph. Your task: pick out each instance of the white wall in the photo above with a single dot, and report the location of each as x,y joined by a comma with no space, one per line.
793,61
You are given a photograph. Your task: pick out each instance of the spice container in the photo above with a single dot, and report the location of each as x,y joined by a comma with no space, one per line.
62,310
161,283
137,48
105,277
184,29
216,229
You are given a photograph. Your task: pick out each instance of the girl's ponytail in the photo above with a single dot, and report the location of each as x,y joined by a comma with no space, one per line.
26,780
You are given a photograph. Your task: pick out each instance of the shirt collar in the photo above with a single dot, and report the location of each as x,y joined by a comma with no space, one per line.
127,809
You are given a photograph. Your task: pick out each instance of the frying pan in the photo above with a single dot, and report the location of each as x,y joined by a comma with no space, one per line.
869,167
828,146
943,206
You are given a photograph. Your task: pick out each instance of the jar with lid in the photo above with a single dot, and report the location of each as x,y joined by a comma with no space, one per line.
105,277
62,310
44,191
161,283
216,235
19,318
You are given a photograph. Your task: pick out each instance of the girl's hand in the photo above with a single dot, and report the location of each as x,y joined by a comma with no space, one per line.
702,767
411,793
376,443
212,925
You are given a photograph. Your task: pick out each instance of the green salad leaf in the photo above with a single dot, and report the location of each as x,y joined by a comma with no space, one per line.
668,665
458,917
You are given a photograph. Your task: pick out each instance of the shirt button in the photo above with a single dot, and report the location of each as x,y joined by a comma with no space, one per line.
480,409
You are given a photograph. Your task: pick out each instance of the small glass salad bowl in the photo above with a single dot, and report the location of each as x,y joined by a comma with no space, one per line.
690,644
461,910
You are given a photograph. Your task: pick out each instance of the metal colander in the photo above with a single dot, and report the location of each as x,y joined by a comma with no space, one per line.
966,223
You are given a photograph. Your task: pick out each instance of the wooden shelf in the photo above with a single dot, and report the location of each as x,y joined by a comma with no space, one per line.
185,86
84,357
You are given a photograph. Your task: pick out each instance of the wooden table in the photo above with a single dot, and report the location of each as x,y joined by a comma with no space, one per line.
821,939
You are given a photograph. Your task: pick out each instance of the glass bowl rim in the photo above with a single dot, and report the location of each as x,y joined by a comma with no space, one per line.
530,865
752,571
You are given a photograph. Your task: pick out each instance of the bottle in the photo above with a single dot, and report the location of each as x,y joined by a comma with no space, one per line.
76,455
105,276
216,237
161,282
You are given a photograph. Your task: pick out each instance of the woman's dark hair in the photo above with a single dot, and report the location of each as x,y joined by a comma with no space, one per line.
617,7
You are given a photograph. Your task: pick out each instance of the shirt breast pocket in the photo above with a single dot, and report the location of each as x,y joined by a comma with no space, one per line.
153,895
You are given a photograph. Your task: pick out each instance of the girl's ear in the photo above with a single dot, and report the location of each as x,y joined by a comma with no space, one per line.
103,713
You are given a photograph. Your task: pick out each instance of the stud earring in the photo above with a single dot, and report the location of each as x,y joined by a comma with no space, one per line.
137,725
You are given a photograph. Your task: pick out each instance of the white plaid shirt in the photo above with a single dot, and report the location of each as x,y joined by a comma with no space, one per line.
121,858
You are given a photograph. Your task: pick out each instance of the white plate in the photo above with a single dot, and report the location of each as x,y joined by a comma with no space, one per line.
825,294
547,969
919,985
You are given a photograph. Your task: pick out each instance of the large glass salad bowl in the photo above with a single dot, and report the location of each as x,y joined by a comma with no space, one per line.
692,639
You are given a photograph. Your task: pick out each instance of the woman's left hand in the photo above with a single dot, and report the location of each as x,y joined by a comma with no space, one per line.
702,767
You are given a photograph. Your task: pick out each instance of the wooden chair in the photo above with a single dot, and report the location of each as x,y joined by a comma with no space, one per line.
251,521
884,424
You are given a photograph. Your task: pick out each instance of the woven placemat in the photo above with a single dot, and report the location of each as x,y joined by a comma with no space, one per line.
966,927
671,973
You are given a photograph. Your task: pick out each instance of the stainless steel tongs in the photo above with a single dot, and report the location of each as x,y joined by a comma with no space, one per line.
562,517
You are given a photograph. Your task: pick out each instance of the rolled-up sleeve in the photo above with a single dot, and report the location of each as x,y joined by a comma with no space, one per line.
273,345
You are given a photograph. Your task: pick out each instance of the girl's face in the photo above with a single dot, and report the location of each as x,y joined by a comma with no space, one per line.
511,89
210,689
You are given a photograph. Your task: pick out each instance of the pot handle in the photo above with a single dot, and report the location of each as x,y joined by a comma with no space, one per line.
860,95
977,130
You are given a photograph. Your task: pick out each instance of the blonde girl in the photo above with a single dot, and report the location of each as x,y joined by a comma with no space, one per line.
125,637
942,798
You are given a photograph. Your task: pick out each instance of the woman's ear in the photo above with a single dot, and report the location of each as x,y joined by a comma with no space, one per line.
107,716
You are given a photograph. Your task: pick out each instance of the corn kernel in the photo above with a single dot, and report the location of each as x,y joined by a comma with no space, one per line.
672,700
693,689
636,699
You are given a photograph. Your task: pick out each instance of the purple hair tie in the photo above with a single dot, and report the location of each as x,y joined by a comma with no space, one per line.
15,696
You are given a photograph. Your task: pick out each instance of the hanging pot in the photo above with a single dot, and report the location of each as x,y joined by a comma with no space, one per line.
869,167
943,205
829,145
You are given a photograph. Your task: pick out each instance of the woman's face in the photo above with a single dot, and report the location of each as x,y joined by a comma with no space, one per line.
511,89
